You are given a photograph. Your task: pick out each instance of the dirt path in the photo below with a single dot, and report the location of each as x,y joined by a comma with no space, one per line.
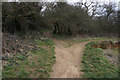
68,60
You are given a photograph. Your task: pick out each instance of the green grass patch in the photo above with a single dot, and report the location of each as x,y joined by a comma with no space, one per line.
72,41
97,38
15,67
96,65
45,42
38,66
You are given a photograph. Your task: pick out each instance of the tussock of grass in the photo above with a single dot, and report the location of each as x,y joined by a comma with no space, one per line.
38,66
96,65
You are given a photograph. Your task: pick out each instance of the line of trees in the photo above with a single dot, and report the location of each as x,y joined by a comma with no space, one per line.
60,17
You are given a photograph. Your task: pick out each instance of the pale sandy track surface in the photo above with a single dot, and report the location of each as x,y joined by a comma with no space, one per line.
68,60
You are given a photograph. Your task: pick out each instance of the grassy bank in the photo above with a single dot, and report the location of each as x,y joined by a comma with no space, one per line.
96,65
71,41
35,64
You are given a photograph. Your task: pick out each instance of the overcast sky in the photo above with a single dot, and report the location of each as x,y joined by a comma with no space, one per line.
94,0
104,1
69,1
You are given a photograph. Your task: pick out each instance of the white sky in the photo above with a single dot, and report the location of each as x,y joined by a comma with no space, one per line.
94,0
69,1
104,1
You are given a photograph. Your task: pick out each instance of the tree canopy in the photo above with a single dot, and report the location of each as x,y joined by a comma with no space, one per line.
60,17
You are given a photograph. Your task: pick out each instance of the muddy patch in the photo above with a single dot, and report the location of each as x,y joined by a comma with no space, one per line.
107,45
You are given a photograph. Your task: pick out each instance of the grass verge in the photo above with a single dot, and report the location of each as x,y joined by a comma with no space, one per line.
72,41
96,65
35,64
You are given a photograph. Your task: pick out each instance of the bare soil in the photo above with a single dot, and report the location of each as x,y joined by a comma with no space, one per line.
68,60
